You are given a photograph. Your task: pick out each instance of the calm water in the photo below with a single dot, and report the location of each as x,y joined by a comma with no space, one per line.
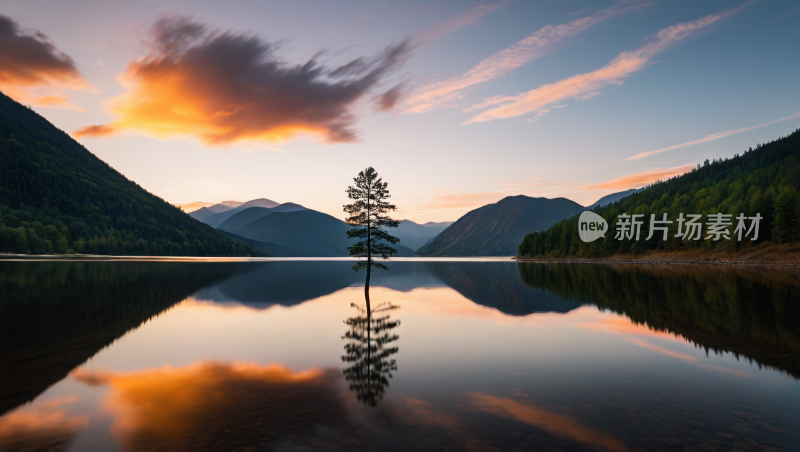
452,355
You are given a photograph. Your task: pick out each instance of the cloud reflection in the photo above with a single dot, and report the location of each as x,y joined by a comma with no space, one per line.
43,427
211,403
557,424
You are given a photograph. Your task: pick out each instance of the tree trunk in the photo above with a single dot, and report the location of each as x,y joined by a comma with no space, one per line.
366,286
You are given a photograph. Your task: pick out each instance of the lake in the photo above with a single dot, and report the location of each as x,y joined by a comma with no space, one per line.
452,355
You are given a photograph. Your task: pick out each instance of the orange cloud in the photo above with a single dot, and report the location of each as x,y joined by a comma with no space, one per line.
28,60
712,137
638,180
530,48
57,101
96,131
42,427
557,424
223,87
585,86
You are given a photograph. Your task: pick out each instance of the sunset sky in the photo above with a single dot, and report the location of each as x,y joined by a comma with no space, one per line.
456,104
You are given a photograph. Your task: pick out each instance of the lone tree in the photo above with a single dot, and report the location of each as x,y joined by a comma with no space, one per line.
368,218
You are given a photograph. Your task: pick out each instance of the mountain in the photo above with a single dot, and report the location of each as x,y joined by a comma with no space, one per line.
764,181
250,214
216,219
57,197
613,197
496,229
313,233
210,209
414,235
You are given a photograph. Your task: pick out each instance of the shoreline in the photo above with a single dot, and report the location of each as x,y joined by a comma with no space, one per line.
764,254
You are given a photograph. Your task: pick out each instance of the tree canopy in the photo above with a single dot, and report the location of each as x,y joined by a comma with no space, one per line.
369,220
763,181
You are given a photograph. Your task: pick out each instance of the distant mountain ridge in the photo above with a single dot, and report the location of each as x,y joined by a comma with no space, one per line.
613,197
218,213
250,214
288,229
496,229
414,235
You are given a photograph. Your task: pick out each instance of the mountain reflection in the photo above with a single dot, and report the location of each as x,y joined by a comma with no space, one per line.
56,315
493,284
368,351
749,311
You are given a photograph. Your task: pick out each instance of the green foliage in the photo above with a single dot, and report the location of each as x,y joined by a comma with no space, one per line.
368,218
57,197
764,180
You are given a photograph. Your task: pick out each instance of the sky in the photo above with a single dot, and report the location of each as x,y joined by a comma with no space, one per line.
456,104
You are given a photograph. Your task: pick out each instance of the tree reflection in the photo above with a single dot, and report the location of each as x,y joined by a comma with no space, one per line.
369,349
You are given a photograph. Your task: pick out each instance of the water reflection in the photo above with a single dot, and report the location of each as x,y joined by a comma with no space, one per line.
752,312
479,374
493,284
369,350
219,406
54,315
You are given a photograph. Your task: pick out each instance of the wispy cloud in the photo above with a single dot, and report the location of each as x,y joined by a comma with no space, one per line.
462,20
224,87
536,45
712,137
578,13
638,180
584,86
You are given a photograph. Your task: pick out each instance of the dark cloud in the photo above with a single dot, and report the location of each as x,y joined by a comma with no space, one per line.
388,100
27,57
224,86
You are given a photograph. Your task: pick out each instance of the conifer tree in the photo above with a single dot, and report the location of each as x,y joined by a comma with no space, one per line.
368,218
787,219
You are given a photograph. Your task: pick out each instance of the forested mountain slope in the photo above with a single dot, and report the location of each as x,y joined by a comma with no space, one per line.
496,229
763,181
57,197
